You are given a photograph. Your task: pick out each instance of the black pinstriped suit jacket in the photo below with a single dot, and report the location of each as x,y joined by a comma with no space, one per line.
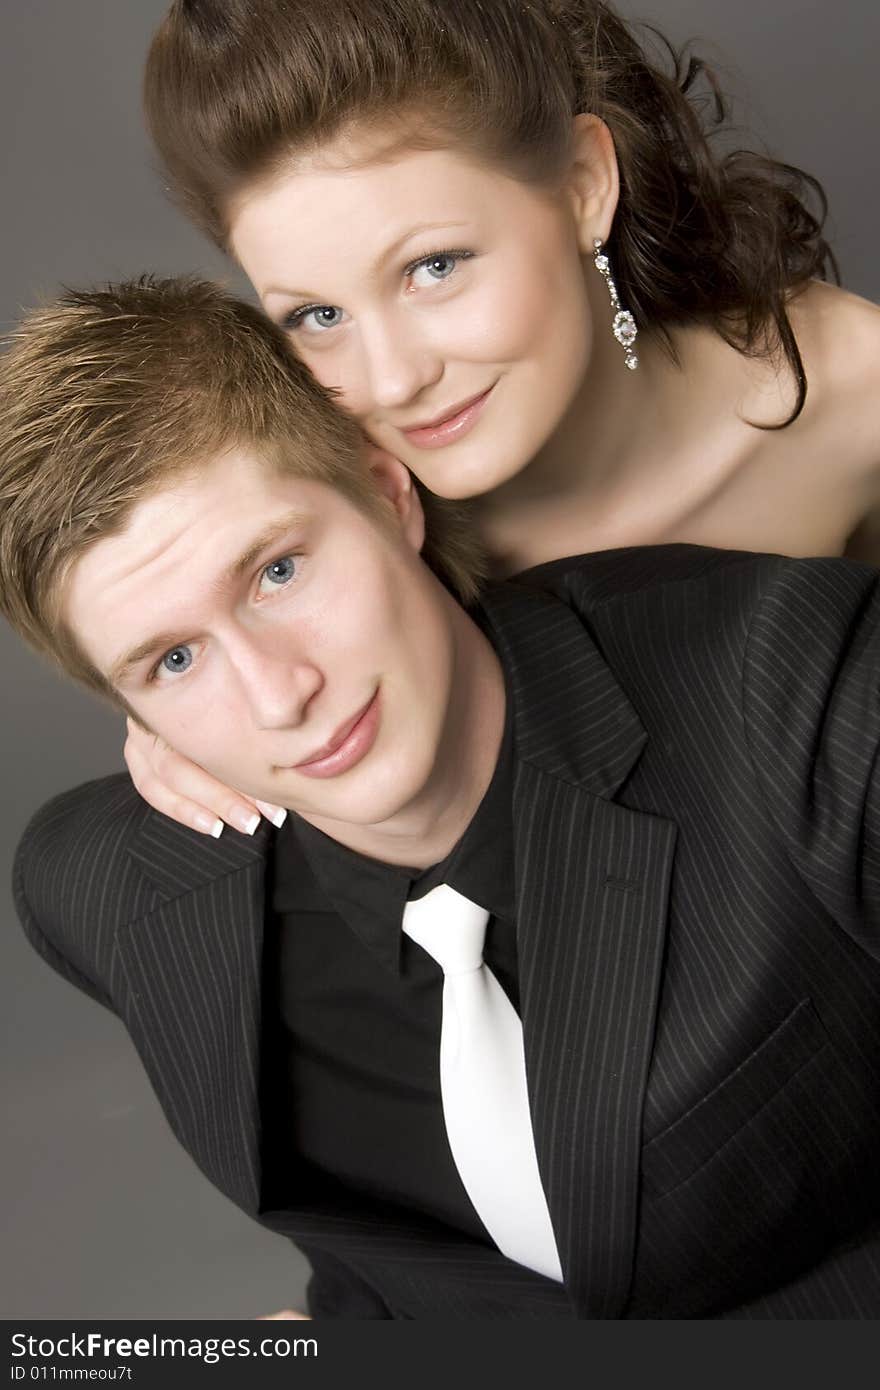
698,886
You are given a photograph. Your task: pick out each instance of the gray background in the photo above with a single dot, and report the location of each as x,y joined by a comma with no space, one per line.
103,1214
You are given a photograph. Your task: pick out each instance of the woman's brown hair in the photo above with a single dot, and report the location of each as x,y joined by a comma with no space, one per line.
235,86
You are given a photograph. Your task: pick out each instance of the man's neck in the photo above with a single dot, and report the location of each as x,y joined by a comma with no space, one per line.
424,831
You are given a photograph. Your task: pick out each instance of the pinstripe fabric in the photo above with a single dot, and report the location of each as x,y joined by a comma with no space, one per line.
591,900
202,953
698,867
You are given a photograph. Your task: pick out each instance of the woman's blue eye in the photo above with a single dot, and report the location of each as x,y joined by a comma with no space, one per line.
438,266
177,660
280,571
327,316
314,318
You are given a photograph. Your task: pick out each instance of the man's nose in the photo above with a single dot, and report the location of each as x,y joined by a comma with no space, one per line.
399,361
279,681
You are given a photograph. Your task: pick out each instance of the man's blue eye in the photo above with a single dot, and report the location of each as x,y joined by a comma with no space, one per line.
177,660
281,571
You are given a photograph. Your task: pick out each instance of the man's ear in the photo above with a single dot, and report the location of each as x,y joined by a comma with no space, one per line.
395,482
593,180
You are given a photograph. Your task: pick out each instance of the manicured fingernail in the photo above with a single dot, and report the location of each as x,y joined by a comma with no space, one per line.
276,815
208,825
245,821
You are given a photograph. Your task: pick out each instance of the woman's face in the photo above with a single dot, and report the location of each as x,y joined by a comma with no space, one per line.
443,300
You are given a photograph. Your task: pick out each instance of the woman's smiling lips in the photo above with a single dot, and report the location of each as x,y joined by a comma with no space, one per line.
448,428
347,746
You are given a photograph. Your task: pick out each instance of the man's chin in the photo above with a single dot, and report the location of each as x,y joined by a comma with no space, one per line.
369,809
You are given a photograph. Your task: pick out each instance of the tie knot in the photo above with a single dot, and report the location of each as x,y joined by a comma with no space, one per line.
449,927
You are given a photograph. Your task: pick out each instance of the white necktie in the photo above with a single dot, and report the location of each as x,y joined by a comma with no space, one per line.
483,1082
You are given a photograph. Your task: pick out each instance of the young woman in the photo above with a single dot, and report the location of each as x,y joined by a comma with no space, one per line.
503,235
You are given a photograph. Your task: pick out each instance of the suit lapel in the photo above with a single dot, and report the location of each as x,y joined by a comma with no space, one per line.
193,968
592,886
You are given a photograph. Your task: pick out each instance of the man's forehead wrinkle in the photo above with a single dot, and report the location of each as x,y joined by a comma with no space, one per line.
146,539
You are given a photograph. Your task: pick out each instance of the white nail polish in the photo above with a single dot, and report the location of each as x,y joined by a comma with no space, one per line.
217,829
250,825
279,818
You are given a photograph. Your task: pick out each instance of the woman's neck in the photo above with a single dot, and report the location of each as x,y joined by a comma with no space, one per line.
637,450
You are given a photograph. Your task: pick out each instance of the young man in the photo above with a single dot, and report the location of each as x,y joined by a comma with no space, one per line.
652,1089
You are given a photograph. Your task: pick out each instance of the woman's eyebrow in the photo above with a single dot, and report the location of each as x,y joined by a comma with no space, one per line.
385,255
391,250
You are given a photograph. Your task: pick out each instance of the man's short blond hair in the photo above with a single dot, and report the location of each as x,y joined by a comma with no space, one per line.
107,395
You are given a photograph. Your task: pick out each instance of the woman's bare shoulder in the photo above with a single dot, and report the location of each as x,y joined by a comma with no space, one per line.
838,334
839,337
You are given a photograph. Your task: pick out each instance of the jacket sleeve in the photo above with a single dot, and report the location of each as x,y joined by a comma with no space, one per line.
811,705
53,878
44,947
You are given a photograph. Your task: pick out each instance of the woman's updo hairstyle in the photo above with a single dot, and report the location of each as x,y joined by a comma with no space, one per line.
234,87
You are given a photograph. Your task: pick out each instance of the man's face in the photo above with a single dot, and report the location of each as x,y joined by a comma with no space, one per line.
266,628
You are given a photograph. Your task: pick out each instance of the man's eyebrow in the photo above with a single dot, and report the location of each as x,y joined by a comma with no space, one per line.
381,260
269,536
163,641
160,642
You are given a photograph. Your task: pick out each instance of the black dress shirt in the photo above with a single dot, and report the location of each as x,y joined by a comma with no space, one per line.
360,1006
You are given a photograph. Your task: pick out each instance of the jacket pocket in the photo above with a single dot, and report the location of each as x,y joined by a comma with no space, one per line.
677,1153
761,1177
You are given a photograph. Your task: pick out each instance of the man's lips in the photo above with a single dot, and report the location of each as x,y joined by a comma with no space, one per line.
449,426
348,745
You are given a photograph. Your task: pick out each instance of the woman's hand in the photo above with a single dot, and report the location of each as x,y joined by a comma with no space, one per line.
185,792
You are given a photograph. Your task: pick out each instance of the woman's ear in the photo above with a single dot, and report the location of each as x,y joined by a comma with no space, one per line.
593,181
395,482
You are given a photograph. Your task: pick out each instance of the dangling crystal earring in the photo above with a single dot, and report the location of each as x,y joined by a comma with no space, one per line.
624,326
